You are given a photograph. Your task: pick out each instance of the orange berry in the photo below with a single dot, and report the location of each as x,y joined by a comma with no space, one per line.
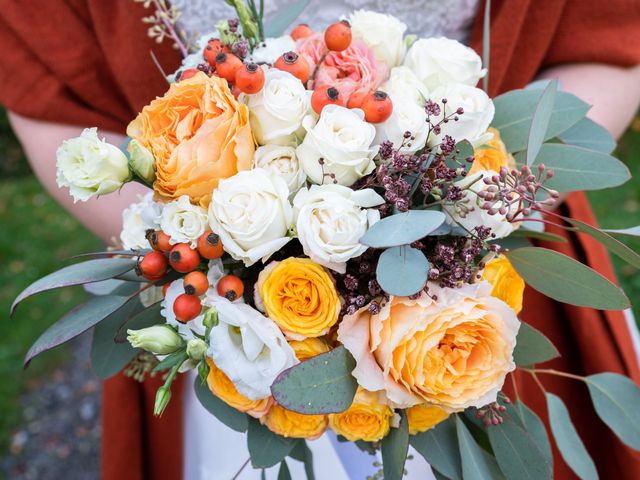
227,64
188,73
356,99
213,48
186,307
210,246
165,287
325,95
249,79
294,64
337,37
301,31
152,266
230,287
183,258
159,240
195,283
377,107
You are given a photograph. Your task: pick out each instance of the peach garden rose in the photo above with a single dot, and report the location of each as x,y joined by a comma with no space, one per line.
295,425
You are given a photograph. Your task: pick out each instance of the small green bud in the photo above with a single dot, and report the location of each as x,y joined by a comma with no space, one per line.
211,318
141,162
163,396
158,339
203,371
196,349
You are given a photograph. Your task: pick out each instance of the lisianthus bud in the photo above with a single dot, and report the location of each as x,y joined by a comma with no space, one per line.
163,396
158,339
196,348
210,318
141,162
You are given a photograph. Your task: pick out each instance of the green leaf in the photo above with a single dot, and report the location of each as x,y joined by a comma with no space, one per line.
439,447
321,385
232,418
78,320
576,168
302,453
588,134
476,463
564,279
534,426
277,25
532,347
630,232
616,400
402,228
283,473
77,274
402,271
540,121
613,245
568,441
515,110
517,454
265,447
458,158
394,450
145,318
546,236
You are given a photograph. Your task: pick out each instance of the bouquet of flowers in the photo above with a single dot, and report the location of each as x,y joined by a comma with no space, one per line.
338,238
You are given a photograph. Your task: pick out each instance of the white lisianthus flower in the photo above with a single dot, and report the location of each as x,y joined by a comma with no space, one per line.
183,221
339,143
477,216
252,215
276,112
402,81
441,61
331,220
472,125
158,339
406,117
136,220
90,166
249,348
269,50
283,161
382,33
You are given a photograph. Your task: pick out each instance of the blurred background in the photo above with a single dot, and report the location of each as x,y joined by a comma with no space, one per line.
49,414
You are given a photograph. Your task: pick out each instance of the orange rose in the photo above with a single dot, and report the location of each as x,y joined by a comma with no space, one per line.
424,417
366,419
492,155
198,134
309,347
295,425
508,286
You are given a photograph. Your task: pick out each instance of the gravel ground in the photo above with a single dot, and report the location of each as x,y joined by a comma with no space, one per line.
59,437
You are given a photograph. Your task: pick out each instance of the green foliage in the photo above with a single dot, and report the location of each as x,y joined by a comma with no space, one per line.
532,347
439,447
534,426
402,228
402,271
477,464
277,25
540,121
265,447
232,418
302,453
394,450
588,134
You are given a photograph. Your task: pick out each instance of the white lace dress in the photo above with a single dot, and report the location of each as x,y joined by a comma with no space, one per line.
212,451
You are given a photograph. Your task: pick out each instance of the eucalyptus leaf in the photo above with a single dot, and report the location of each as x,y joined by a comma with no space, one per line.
532,347
394,450
613,245
540,121
616,400
321,385
568,441
265,447
302,453
537,235
439,447
458,158
588,134
283,473
534,426
564,279
77,274
402,271
277,25
402,228
142,319
476,464
232,418
628,232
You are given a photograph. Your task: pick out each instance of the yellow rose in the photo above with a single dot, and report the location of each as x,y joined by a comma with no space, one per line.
300,296
366,419
292,424
423,417
223,388
198,134
508,286
492,155
309,347
452,348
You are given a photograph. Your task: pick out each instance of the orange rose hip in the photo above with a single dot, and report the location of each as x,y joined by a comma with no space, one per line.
294,64
338,36
325,95
230,287
377,107
186,307
249,79
195,283
183,258
210,245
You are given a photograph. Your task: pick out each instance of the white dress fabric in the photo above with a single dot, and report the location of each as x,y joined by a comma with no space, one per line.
212,451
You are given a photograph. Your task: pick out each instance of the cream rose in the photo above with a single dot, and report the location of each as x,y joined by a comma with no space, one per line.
283,161
382,33
136,220
331,220
406,117
452,348
269,50
249,348
183,221
89,166
339,143
442,61
277,111
252,214
403,82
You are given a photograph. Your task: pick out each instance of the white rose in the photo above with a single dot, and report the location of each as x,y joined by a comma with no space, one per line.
277,111
252,215
382,33
402,81
90,166
440,61
342,141
331,220
406,117
183,221
478,216
269,50
472,125
249,348
283,161
136,220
